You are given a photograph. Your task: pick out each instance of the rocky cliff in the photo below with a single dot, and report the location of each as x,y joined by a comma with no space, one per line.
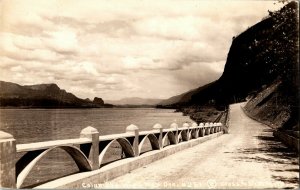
263,56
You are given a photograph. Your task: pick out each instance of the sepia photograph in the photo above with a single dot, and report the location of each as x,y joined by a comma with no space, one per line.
141,94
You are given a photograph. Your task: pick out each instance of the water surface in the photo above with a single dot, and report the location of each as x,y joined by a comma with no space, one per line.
34,125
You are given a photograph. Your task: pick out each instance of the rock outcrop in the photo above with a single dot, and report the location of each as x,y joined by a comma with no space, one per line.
98,101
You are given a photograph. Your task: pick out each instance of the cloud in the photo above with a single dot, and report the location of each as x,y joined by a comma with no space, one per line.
115,49
62,41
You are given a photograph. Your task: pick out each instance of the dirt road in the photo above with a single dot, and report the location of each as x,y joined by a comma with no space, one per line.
247,157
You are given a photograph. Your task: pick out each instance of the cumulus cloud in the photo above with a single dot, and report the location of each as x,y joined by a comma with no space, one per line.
115,49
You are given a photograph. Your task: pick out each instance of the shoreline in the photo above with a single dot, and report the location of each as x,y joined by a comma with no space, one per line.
80,107
200,114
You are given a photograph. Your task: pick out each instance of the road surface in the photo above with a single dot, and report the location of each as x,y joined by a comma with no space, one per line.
248,157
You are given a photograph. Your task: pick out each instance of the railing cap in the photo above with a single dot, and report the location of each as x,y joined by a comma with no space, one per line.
89,130
157,126
185,125
4,135
132,128
174,126
194,124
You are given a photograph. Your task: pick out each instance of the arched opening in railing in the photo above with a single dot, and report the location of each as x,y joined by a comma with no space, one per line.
168,138
104,146
27,162
193,133
183,135
179,139
201,132
153,142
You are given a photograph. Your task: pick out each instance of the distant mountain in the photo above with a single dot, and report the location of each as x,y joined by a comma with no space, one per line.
178,98
257,57
134,101
183,98
40,95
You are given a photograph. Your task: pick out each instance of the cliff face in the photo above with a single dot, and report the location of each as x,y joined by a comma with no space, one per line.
273,62
41,95
257,57
263,57
265,52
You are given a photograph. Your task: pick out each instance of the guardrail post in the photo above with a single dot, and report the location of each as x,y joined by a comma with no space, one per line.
219,127
7,160
224,128
215,127
202,130
135,130
160,128
93,134
212,130
207,129
175,126
186,125
196,130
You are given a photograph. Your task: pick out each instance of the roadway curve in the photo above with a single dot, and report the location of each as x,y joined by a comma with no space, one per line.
248,157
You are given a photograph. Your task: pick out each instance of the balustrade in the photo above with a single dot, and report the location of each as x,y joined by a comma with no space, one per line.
89,149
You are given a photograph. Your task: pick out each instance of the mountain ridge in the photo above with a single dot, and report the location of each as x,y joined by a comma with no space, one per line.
41,95
183,98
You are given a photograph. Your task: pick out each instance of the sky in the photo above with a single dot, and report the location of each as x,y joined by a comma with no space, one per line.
118,49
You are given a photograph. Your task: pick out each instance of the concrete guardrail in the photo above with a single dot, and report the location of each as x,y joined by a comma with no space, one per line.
89,149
